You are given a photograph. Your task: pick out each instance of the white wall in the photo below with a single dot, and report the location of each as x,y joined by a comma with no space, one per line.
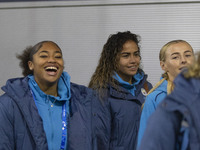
82,27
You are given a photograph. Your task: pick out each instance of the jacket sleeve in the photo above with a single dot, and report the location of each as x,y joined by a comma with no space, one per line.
101,124
160,133
6,125
148,109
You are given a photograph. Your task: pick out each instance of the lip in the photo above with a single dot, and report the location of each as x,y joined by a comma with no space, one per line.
182,68
132,68
51,70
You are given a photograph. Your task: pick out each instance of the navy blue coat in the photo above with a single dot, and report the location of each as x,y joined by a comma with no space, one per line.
176,122
21,127
116,120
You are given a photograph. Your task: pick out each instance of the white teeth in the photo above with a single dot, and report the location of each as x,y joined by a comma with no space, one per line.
51,68
132,67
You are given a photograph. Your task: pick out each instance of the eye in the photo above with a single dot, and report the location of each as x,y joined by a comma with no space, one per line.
43,56
175,57
188,55
137,54
125,55
58,56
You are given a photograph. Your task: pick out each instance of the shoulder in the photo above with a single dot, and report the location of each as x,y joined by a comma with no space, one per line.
157,96
80,88
81,92
5,100
186,83
6,106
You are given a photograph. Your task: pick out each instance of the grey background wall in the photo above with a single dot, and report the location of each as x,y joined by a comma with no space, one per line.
82,27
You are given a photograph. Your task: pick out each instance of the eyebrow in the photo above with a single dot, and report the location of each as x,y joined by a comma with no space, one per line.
125,52
129,52
188,51
176,53
45,51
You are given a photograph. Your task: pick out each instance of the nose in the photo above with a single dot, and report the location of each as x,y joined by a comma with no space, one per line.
132,59
51,59
183,60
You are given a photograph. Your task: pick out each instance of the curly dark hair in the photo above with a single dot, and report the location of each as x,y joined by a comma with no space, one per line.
108,62
27,55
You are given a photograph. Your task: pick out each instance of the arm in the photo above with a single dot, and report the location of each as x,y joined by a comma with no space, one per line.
101,123
148,109
6,127
161,131
150,105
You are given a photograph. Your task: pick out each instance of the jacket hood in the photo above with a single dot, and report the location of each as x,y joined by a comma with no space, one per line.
186,90
16,88
185,99
63,88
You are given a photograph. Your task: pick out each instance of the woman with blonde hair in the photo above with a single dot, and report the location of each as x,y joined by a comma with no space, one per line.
174,57
177,118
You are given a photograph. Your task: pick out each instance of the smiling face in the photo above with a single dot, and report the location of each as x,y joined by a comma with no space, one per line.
129,61
177,57
47,64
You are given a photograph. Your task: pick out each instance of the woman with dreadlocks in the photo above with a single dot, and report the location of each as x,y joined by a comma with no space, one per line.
122,86
174,56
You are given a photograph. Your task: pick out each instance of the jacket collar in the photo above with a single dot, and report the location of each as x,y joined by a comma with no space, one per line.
119,92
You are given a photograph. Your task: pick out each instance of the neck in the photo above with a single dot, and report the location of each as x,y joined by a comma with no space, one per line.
126,78
130,81
49,89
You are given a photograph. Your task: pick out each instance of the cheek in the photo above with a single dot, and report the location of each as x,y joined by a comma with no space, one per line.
61,63
170,66
191,61
138,60
120,62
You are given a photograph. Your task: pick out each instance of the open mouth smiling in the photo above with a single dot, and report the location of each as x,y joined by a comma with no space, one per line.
51,70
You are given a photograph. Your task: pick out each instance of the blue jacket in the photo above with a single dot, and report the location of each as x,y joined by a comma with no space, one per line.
117,118
176,119
21,127
150,105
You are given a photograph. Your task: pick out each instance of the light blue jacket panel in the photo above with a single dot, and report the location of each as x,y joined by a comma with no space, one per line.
50,109
179,110
150,105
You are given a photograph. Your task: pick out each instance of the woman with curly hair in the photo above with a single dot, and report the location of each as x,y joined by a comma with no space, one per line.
177,118
122,86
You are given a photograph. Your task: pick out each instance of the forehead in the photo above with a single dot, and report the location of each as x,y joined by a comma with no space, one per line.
130,46
49,47
180,47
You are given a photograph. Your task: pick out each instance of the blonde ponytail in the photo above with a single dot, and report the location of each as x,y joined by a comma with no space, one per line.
170,86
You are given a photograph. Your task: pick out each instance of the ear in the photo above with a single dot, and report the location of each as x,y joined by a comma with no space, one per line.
163,66
30,65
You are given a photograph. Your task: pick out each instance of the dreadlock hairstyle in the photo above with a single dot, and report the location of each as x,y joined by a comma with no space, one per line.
108,62
194,70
